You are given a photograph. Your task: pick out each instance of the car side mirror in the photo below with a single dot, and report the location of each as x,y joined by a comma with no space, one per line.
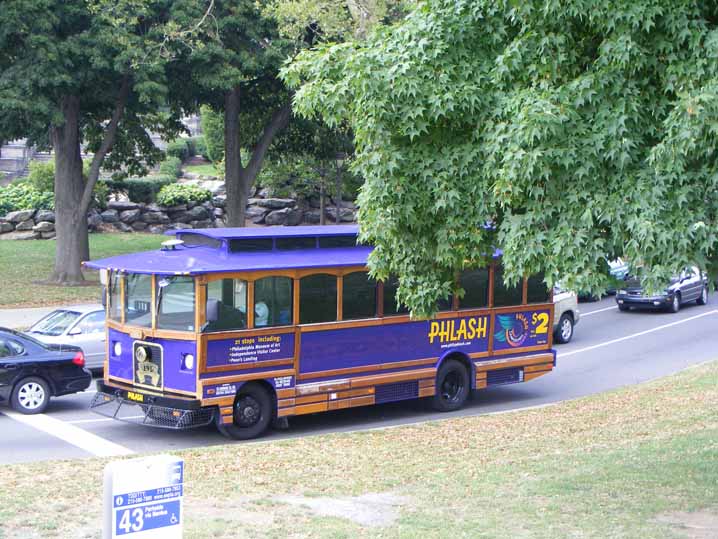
75,331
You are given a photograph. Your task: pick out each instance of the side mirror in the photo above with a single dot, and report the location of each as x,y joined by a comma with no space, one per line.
75,331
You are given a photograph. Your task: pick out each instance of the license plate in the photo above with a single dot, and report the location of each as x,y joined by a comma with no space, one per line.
137,397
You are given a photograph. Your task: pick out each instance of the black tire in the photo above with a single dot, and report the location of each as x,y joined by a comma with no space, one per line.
675,305
252,415
622,307
564,330
452,386
30,396
703,298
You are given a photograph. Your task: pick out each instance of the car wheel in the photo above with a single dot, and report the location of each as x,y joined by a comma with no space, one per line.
564,331
253,412
30,396
675,303
703,298
622,307
452,386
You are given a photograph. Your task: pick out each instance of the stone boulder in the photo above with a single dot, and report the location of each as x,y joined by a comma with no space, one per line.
6,227
20,235
130,216
154,207
219,201
139,226
312,217
199,213
346,215
178,208
44,226
122,205
181,217
122,227
19,216
110,216
155,217
207,223
218,212
294,217
25,225
45,215
156,229
275,203
94,220
255,214
48,235
277,217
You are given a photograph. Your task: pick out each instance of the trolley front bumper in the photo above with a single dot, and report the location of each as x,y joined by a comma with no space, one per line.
152,410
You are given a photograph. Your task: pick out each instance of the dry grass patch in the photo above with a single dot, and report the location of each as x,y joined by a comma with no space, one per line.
603,466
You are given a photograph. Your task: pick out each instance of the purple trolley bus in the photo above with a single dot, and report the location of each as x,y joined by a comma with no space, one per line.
239,326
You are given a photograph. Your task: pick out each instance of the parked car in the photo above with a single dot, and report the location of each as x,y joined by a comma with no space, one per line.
79,325
690,285
565,314
618,269
31,371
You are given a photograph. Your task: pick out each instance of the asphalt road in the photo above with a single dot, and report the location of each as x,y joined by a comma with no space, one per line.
610,349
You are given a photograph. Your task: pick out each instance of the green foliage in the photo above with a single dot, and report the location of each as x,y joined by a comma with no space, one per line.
180,148
172,166
42,176
140,189
213,129
100,195
199,146
582,130
24,196
182,193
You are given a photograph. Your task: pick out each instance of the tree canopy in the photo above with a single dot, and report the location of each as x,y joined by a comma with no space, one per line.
566,133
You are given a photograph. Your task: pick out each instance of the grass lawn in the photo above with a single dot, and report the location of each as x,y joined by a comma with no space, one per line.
635,463
205,170
24,263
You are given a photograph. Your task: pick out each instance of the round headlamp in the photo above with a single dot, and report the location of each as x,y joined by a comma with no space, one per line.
188,361
141,354
117,348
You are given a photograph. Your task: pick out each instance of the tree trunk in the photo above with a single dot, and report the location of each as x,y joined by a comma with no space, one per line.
322,203
70,222
237,193
238,179
338,194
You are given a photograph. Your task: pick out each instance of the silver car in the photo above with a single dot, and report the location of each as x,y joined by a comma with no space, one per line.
565,314
79,325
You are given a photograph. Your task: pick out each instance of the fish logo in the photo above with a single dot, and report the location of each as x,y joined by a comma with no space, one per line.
514,329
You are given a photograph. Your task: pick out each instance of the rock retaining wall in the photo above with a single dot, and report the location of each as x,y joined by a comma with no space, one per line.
126,216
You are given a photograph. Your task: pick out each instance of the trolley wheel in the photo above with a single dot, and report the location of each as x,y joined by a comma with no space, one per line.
30,396
253,412
452,386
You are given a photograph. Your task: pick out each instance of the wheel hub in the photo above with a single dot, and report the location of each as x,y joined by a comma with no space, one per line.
247,411
31,396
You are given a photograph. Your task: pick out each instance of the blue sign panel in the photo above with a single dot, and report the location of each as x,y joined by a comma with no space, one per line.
251,349
522,329
147,517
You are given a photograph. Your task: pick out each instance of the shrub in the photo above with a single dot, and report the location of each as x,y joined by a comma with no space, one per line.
182,193
100,194
199,147
179,148
24,196
42,176
140,189
213,129
172,166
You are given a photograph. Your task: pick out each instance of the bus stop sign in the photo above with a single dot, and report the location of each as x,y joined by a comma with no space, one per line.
143,498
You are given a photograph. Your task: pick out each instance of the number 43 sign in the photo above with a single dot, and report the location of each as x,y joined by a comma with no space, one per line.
143,498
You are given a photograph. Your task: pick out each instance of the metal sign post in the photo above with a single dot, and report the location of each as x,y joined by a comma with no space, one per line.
143,498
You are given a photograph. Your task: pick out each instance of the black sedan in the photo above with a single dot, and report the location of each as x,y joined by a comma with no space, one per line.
690,285
31,372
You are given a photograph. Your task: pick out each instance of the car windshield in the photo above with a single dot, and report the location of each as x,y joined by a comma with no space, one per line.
55,323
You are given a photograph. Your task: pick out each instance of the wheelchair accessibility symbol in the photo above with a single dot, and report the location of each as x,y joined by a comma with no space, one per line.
173,519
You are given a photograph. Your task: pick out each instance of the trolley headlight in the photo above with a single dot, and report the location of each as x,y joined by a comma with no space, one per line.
117,349
188,362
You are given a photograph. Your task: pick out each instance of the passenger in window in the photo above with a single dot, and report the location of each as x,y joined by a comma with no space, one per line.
261,314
